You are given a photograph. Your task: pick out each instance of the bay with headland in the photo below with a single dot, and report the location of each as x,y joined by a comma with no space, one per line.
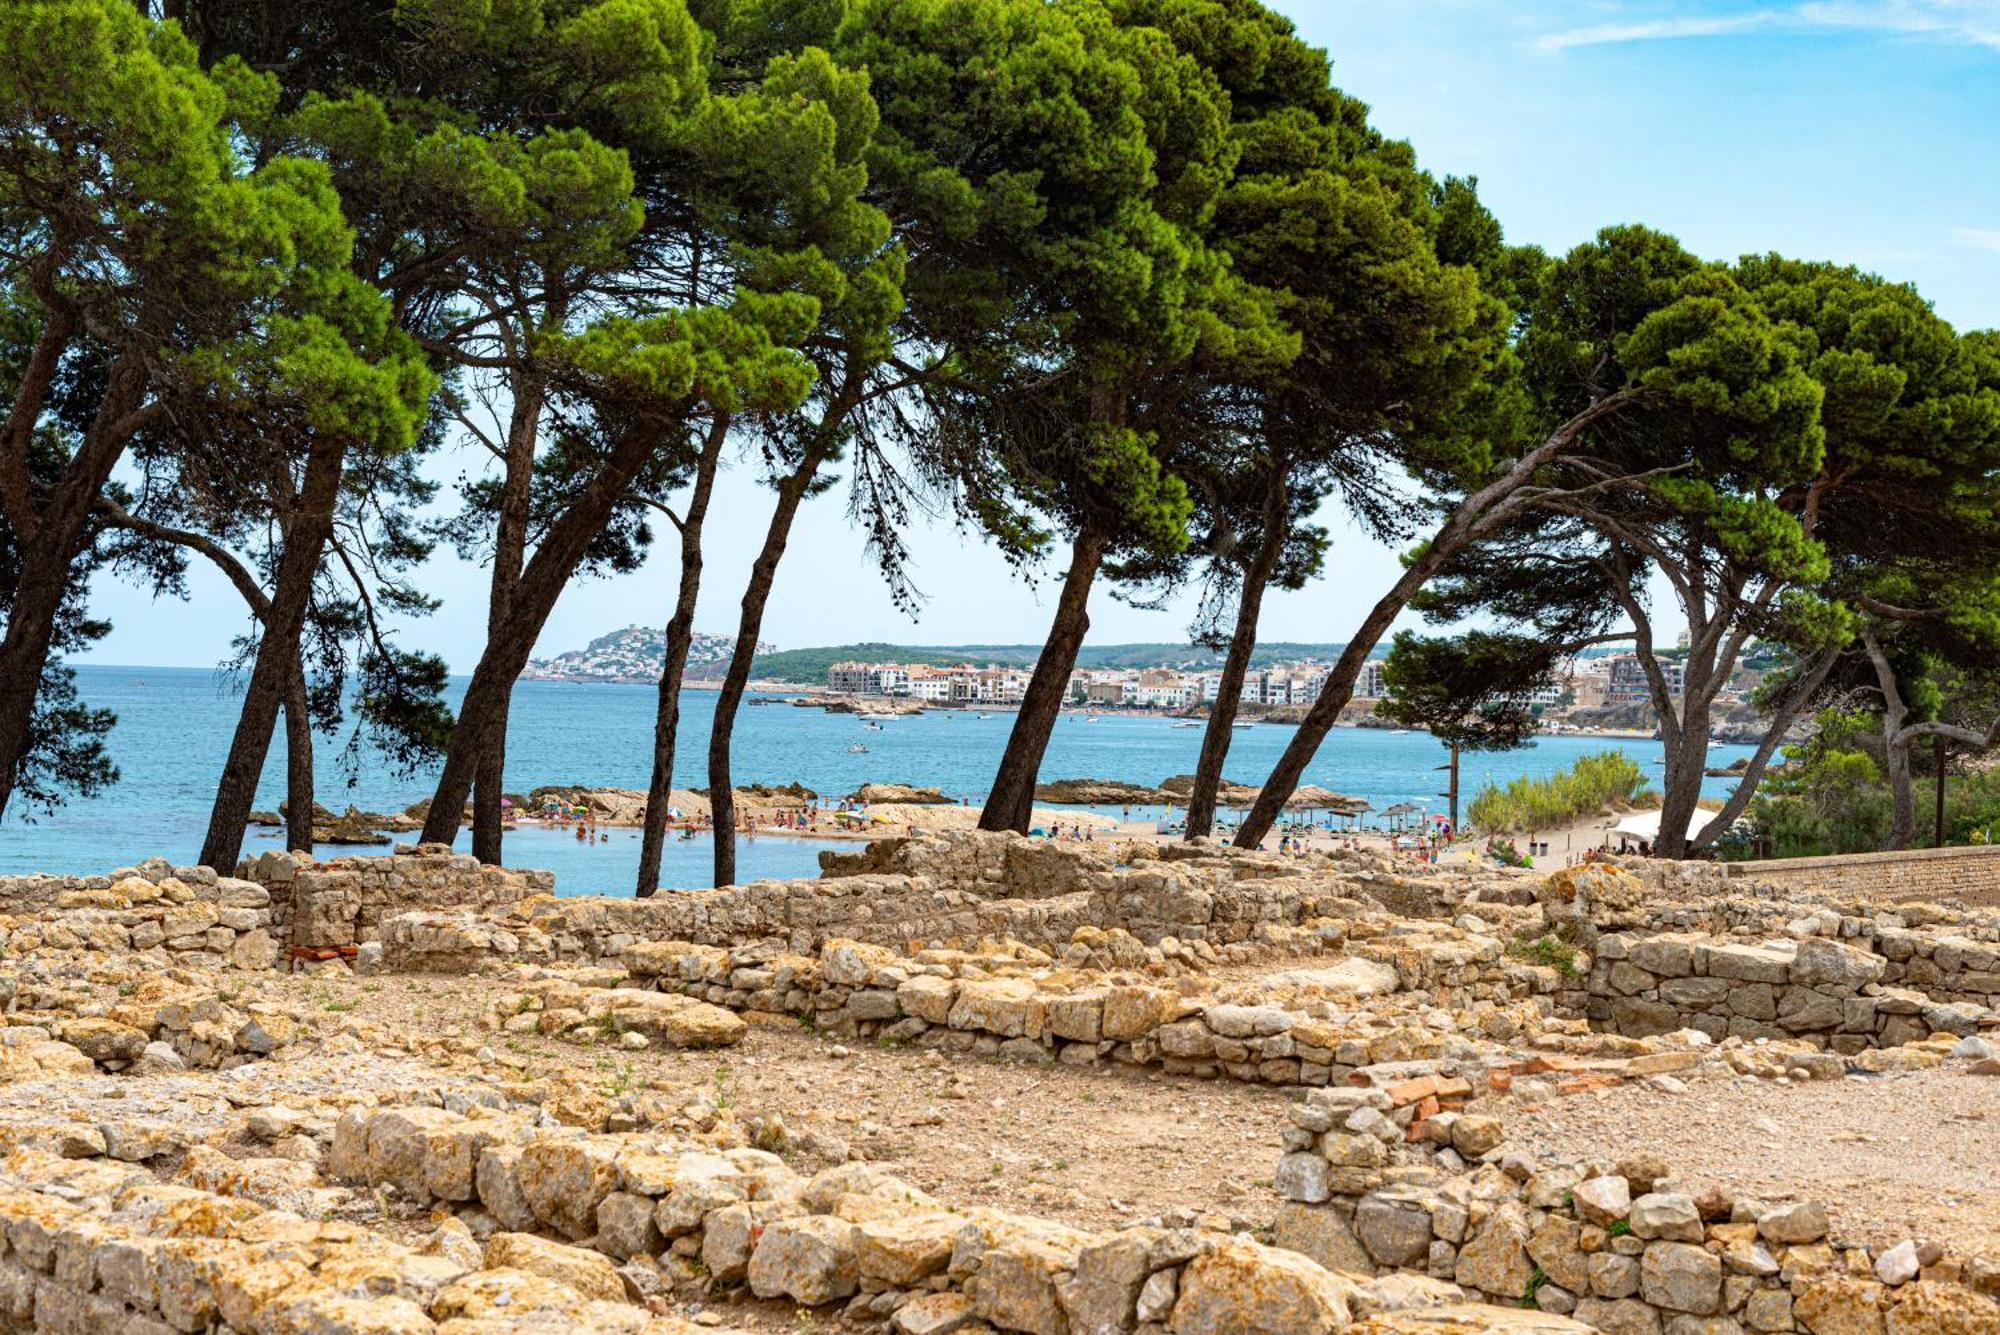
174,726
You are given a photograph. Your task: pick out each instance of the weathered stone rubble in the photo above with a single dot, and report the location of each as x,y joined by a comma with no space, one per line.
1619,1246
856,1235
97,1246
158,1175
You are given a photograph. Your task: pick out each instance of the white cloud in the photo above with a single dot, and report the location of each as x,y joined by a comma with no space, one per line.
1611,34
1973,22
1963,22
1979,238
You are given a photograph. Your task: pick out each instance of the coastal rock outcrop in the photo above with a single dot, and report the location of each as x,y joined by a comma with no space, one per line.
876,794
1099,793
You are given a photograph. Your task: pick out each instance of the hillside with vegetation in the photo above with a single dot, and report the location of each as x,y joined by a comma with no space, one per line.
807,667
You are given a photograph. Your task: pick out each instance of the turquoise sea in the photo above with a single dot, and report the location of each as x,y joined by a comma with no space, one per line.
174,726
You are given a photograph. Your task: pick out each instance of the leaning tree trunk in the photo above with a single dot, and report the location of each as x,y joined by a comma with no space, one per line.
1895,747
482,715
1010,805
1334,693
673,670
721,792
305,534
510,547
1236,664
1902,789
298,761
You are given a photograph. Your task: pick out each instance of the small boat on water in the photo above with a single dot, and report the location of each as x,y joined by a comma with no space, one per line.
872,727
1187,723
986,716
1245,723
856,748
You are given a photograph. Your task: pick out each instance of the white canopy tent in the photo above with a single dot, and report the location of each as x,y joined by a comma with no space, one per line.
1646,825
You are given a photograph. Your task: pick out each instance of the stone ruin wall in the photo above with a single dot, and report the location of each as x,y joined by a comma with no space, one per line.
1727,964
175,916
342,902
1622,1249
1766,963
961,886
1089,1009
1834,993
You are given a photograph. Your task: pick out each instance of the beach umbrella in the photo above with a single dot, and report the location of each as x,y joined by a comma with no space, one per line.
1325,799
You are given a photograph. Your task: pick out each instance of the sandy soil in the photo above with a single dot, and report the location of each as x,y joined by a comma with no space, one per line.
1094,1147
1894,1156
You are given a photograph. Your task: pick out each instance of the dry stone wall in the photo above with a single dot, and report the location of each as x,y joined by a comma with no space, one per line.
1014,1001
341,902
186,917
1816,988
1620,1248
1971,875
95,1247
854,1234
956,885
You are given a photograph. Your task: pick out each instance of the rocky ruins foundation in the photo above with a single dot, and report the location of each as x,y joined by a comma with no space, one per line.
202,1133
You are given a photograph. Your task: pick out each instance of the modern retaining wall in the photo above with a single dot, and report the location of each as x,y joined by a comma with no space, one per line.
1969,874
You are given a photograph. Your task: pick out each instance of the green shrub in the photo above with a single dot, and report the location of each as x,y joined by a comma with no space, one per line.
1528,804
1548,952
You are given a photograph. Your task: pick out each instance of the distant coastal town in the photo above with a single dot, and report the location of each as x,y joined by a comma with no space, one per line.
1605,692
1582,683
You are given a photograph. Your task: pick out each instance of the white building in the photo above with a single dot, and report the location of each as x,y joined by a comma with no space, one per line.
1368,686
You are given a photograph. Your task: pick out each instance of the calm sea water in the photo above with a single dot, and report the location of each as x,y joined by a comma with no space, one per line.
174,726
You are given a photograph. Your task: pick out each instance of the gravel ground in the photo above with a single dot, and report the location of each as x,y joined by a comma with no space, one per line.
1093,1147
1892,1156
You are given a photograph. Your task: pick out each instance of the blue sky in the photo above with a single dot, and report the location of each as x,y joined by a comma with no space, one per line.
1860,131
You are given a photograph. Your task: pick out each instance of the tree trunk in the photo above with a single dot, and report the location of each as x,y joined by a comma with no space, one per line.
1236,664
721,792
483,713
510,547
48,532
1895,748
298,762
1010,804
1680,788
680,635
1796,699
1473,517
305,534
24,653
1903,794
1336,691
